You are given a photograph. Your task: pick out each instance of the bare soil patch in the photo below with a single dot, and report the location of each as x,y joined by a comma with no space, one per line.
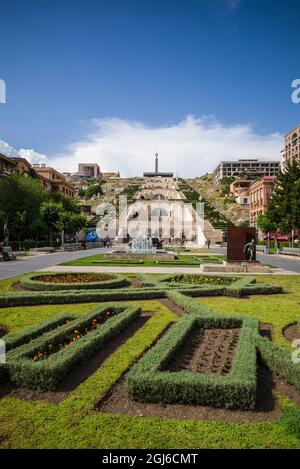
172,306
291,332
3,330
18,286
207,351
135,282
79,373
267,409
266,330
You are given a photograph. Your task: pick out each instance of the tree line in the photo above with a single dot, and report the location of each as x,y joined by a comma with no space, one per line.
27,212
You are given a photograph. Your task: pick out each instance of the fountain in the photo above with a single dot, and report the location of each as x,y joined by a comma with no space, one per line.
142,246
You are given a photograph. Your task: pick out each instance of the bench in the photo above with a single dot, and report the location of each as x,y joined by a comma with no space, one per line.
69,247
47,249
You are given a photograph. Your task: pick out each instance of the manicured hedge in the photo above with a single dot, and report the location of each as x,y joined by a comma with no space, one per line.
15,339
207,279
279,360
30,281
56,334
119,261
46,373
148,381
189,305
258,289
155,290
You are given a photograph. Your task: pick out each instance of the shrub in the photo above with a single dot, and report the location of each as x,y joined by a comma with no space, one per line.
148,380
279,360
15,339
151,290
46,373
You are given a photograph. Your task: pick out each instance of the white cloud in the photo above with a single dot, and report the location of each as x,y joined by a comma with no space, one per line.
191,147
30,155
7,150
33,156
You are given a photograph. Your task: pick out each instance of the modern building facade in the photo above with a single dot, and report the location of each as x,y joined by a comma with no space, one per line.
291,148
251,168
89,170
54,181
260,194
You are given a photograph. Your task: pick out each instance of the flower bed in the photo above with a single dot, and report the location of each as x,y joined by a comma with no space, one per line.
74,336
208,351
201,279
38,366
69,281
151,381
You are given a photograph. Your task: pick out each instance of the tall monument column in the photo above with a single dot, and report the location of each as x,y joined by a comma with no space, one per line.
156,162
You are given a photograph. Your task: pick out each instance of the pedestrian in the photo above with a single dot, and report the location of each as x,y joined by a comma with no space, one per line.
208,243
4,253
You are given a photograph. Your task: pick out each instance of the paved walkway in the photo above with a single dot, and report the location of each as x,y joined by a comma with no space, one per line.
31,263
148,270
286,263
48,262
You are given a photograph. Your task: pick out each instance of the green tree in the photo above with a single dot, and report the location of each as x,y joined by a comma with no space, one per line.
284,209
68,204
20,201
225,183
264,223
81,192
93,190
51,216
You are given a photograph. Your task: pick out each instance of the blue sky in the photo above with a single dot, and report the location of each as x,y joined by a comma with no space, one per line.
74,69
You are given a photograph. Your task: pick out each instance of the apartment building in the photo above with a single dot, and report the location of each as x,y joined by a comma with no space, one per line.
291,148
252,168
7,165
89,170
260,194
239,189
52,180
22,165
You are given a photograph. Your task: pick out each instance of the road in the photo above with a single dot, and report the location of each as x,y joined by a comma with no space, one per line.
291,264
32,263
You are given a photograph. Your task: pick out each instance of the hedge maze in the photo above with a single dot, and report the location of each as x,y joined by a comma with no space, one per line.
204,358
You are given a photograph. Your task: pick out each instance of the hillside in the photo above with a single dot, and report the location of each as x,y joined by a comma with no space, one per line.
217,200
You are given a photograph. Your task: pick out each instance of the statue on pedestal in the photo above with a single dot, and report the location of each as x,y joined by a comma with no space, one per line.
249,249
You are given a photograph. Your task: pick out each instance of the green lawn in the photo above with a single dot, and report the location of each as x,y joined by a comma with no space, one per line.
75,424
182,261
